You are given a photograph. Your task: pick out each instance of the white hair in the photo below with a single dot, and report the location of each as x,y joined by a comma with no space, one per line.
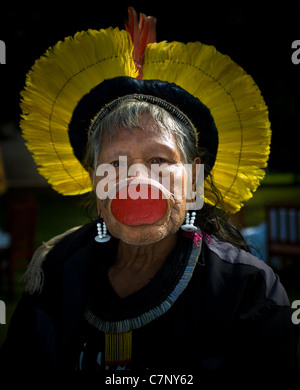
127,115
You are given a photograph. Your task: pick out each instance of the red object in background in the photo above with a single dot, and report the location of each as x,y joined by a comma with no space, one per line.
149,208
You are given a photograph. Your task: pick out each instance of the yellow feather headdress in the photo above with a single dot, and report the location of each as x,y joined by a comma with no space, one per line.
72,68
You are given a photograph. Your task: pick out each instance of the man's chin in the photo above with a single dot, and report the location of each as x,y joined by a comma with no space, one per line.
143,235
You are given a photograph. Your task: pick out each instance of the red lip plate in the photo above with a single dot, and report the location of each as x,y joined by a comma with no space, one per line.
135,212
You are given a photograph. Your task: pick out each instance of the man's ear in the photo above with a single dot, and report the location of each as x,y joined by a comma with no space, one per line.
197,161
91,174
92,177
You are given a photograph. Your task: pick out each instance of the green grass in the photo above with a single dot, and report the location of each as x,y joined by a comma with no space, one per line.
255,207
56,214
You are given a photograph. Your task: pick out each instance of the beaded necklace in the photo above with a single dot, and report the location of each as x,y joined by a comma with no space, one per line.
118,334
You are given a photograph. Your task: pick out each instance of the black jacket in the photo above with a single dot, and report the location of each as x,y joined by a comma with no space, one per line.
233,314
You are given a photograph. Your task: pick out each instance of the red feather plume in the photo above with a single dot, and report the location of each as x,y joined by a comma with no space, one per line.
142,32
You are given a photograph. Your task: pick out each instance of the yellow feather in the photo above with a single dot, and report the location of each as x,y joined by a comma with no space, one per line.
54,86
236,104
70,69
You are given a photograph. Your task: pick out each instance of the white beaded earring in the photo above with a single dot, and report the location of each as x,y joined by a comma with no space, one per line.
102,235
189,223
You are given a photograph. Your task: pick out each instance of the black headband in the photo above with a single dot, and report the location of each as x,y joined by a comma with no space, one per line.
149,99
170,96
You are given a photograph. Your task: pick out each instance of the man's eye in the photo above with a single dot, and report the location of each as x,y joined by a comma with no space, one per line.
158,160
115,163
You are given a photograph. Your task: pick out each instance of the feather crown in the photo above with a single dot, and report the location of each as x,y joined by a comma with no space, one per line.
69,73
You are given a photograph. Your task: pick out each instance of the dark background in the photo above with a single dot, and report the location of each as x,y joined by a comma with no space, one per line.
256,35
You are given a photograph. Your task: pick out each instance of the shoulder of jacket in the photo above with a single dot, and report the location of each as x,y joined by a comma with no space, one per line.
235,256
34,276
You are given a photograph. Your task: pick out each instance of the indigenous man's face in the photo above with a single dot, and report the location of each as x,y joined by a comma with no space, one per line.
153,208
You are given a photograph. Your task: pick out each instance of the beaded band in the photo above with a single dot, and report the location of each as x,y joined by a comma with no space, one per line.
145,318
143,98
